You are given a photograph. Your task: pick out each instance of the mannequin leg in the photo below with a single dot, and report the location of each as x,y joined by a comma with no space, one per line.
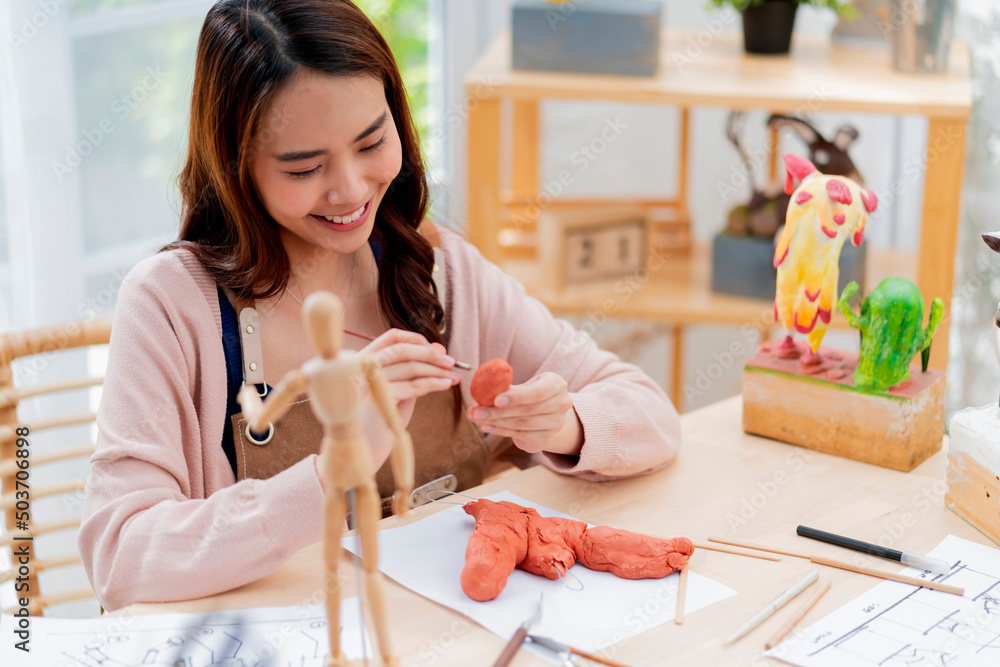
369,510
334,513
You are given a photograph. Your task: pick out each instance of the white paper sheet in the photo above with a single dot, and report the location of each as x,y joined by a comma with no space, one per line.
275,636
896,625
586,609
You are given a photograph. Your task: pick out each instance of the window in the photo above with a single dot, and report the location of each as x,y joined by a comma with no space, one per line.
404,24
99,111
125,70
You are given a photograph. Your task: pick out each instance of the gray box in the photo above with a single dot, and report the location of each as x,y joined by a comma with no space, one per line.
744,266
587,36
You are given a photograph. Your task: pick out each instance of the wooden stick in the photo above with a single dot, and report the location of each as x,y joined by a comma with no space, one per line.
709,547
798,616
682,586
903,579
758,547
914,581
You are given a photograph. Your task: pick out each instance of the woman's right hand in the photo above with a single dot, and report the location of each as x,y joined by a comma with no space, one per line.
413,367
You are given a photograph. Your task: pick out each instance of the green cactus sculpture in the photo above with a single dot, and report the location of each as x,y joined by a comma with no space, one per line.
890,332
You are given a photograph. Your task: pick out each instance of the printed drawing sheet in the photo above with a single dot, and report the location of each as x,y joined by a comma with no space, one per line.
273,636
896,625
587,609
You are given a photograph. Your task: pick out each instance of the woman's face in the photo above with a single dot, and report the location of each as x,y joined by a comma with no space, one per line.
325,153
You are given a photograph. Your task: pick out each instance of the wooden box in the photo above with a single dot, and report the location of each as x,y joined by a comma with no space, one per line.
974,468
593,37
581,245
820,408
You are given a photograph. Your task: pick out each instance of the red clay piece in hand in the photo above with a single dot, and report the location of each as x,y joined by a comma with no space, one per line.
508,536
490,380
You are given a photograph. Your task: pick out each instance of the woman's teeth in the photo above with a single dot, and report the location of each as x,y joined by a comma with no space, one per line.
343,220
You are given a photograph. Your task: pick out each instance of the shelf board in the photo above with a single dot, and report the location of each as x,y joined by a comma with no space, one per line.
679,291
817,76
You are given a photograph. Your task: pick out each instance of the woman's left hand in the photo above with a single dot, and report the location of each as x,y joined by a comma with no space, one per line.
537,415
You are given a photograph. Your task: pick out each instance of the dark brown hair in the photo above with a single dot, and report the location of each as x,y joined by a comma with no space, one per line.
249,49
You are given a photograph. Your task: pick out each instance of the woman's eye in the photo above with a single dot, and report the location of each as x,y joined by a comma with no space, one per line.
374,147
303,174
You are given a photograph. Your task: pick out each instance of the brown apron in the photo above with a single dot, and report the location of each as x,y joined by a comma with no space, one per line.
448,454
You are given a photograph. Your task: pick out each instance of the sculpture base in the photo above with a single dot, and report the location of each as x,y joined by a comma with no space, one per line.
818,407
974,468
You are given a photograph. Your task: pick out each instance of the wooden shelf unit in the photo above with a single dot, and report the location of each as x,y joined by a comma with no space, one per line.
817,76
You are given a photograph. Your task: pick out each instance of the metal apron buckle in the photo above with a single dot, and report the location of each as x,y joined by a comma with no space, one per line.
445,483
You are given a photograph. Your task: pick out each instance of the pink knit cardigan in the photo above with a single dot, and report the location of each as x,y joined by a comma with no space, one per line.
164,518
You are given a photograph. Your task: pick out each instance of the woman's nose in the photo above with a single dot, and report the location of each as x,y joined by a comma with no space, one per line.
348,187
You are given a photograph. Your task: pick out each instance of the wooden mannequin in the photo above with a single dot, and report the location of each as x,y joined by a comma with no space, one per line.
337,381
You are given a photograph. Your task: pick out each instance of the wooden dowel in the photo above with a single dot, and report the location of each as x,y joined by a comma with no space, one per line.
829,562
798,616
9,468
56,337
682,586
9,500
758,547
66,596
901,578
709,547
9,433
39,565
39,529
12,397
37,604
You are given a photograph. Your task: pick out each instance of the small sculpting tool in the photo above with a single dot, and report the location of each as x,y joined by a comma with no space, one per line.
780,602
458,364
934,565
559,648
798,616
519,636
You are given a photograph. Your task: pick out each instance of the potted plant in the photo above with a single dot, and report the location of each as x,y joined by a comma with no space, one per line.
767,24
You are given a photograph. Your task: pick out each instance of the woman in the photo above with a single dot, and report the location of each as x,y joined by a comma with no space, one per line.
304,173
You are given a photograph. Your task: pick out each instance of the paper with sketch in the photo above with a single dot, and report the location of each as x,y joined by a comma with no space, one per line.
896,625
275,636
586,609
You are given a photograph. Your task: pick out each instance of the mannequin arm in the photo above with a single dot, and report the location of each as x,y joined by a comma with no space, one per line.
401,458
258,413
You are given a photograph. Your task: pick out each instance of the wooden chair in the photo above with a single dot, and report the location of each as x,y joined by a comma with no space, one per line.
45,342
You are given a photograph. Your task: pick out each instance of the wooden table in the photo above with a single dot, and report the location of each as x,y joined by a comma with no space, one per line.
725,483
707,69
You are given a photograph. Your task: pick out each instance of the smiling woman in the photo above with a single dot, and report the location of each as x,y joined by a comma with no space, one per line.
304,173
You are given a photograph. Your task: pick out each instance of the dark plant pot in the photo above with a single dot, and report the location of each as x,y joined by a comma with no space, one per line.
767,28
